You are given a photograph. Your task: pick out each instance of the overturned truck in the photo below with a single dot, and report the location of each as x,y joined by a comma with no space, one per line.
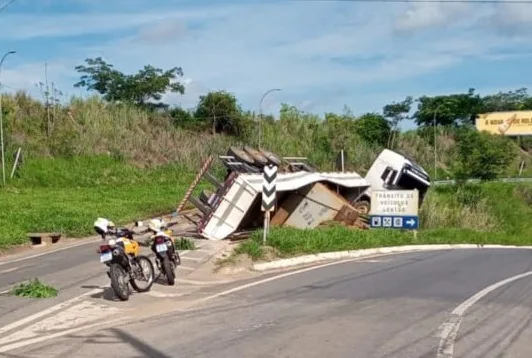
306,197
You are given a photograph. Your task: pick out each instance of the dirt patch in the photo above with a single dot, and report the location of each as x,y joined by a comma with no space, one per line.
269,253
228,263
18,249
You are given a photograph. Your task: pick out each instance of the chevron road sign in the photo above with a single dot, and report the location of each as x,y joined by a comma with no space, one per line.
268,188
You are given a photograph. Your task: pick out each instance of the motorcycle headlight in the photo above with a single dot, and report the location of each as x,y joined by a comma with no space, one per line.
112,242
169,243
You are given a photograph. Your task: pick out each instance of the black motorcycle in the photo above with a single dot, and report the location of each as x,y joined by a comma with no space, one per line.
166,256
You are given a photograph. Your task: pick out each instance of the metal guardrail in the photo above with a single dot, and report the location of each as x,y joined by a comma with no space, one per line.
501,180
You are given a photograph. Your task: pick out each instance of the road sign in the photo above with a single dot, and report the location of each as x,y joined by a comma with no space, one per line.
394,222
269,188
395,209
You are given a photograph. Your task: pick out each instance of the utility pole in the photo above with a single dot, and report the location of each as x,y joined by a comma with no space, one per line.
2,121
260,110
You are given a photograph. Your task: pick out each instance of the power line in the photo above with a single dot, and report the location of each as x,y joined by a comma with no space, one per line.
3,7
529,2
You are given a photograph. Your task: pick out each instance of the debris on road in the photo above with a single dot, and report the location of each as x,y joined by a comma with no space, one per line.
306,197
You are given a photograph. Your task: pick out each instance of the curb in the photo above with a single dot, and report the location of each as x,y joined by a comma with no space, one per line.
307,259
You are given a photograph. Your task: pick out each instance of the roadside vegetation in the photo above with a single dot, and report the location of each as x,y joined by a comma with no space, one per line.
471,214
125,155
34,289
185,244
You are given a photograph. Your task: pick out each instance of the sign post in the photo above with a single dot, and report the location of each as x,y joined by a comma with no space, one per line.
269,192
394,209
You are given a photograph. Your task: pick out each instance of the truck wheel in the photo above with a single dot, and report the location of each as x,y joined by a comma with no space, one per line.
240,155
363,207
259,158
272,158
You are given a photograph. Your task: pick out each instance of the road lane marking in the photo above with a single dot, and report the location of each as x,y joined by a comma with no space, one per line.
46,312
449,329
185,268
9,270
80,314
208,283
47,252
126,319
27,342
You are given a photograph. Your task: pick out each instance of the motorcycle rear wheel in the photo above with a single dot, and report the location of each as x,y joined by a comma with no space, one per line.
119,281
169,267
136,266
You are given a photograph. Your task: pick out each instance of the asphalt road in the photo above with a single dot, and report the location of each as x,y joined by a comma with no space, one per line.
393,307
73,271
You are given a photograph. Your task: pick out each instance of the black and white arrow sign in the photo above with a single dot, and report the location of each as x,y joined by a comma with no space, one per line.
268,188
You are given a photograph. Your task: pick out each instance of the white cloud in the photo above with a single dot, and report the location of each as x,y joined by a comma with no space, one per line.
511,18
24,27
316,52
421,16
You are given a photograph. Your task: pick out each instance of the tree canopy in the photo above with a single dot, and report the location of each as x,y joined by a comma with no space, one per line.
475,155
147,85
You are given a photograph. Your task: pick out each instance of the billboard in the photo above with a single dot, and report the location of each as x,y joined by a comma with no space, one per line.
516,123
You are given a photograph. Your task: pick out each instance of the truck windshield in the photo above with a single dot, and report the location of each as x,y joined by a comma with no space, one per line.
409,182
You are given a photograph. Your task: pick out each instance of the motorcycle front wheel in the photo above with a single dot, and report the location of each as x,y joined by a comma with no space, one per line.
142,271
119,281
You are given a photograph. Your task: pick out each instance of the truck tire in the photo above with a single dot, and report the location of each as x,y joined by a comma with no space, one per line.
272,158
259,158
240,155
363,207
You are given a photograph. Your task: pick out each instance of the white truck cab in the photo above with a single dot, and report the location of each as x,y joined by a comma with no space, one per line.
394,171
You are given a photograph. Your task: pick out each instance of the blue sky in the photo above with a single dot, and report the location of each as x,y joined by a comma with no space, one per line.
322,54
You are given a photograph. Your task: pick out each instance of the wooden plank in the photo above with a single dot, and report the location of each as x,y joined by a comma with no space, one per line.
212,179
199,205
195,183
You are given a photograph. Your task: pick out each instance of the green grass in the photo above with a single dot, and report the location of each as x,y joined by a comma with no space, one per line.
68,195
185,244
506,207
34,289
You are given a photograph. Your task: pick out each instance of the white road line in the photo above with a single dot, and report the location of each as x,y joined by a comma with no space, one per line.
269,279
122,320
163,295
191,258
47,252
185,268
194,282
9,270
27,342
449,329
46,312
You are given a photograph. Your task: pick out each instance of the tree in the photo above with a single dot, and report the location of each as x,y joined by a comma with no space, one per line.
481,155
182,117
148,84
453,109
396,113
507,101
221,109
373,129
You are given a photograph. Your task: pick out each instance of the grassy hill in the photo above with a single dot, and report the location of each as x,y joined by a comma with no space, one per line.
90,159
